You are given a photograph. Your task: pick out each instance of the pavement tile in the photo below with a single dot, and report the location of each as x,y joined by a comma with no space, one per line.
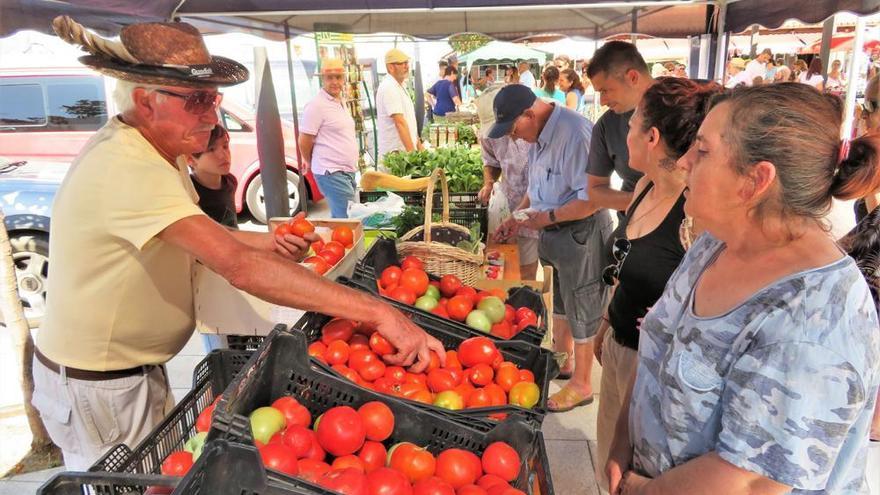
570,467
19,487
37,476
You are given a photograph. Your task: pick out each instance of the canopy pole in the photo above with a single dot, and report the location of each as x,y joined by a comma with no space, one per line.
855,67
721,46
825,51
634,26
303,194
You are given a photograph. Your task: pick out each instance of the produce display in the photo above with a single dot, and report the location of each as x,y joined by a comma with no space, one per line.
323,256
463,166
474,375
449,298
348,450
179,462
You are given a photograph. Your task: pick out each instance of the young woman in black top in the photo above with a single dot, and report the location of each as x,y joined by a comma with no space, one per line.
646,248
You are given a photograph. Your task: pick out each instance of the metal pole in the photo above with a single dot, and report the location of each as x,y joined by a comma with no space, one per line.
634,25
753,42
721,54
855,68
301,188
270,142
825,51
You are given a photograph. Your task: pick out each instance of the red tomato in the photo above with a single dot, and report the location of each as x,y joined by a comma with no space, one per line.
481,374
502,460
347,482
347,373
503,490
380,345
478,398
371,371
452,361
178,463
360,357
441,311
441,380
412,262
413,461
424,396
435,283
489,480
294,412
386,481
457,467
283,230
301,227
316,453
404,295
317,350
299,439
507,376
449,285
395,374
459,306
341,431
317,246
525,313
418,378
457,375
471,490
330,256
390,276
526,376
433,486
414,279
337,329
464,390
502,330
359,341
378,420
203,422
483,294
522,325
337,352
435,361
279,457
476,350
509,314
373,455
348,461
499,397
468,292
319,264
336,247
312,470
343,235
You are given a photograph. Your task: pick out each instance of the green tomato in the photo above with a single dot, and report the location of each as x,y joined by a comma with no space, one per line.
265,422
195,444
426,303
493,307
434,292
478,320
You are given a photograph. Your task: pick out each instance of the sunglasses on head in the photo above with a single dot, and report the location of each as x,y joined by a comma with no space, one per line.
197,102
619,250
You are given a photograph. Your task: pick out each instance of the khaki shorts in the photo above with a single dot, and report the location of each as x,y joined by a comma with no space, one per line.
528,250
85,419
619,364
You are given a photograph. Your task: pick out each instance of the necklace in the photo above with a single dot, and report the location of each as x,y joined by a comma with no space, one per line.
651,209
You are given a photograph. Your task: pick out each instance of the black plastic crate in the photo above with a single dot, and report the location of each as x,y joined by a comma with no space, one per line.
526,356
278,369
248,343
464,207
210,377
105,484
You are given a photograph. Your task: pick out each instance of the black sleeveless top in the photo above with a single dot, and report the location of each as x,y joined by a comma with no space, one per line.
649,264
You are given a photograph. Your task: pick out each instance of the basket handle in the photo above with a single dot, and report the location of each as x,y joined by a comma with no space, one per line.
438,173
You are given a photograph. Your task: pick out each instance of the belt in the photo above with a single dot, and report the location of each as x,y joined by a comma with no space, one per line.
568,223
89,375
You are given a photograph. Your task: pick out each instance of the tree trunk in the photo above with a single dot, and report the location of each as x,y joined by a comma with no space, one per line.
10,307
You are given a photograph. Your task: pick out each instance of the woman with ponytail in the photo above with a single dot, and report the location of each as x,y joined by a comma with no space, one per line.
759,365
548,89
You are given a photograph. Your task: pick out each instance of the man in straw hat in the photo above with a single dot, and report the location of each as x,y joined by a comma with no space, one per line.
128,205
328,142
395,112
736,73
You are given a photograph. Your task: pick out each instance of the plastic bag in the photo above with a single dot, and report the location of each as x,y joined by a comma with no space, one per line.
498,208
377,214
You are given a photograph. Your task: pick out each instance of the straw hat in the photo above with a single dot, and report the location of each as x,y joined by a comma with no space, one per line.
166,53
395,56
738,63
332,66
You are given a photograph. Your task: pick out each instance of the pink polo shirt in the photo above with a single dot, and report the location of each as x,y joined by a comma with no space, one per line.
336,147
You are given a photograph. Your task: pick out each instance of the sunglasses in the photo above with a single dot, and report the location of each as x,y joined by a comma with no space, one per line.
619,250
197,102
869,106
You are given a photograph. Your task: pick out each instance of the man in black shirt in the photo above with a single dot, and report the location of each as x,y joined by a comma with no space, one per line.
620,76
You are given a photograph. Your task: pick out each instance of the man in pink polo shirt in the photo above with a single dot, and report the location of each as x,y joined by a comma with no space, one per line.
328,142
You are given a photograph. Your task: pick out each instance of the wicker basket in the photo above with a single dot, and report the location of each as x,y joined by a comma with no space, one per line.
434,243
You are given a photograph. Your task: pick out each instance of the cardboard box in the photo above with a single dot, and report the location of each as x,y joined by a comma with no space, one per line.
223,309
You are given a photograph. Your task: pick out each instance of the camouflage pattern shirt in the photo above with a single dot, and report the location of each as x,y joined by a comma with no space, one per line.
782,385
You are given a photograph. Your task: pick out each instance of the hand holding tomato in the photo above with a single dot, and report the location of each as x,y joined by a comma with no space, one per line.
292,240
413,345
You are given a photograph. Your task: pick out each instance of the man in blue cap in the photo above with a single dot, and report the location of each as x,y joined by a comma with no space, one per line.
573,229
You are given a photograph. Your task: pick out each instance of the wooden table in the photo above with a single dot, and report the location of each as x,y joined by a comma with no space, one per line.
510,254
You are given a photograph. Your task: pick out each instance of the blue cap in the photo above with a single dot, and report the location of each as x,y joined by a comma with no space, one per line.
509,104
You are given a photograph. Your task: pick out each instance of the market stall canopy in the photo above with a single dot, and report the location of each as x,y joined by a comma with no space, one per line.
744,13
842,44
502,52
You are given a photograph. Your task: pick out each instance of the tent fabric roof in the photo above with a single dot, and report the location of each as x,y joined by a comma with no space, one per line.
744,13
498,52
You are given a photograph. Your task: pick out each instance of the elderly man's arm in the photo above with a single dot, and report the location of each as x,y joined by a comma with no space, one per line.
403,131
275,279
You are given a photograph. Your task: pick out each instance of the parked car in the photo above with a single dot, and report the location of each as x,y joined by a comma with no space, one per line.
49,114
27,190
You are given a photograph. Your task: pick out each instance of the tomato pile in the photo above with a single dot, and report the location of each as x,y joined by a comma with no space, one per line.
475,374
324,255
344,451
179,462
449,298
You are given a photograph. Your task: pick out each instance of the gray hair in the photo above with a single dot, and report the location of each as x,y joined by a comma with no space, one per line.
124,89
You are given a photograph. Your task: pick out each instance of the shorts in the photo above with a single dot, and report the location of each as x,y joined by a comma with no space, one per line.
528,250
575,253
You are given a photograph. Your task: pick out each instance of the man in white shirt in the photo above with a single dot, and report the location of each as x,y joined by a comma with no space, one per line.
395,112
736,73
526,78
758,66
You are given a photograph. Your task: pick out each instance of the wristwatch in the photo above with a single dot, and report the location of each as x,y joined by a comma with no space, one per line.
552,216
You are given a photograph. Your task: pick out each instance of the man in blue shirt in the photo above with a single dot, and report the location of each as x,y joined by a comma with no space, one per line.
573,229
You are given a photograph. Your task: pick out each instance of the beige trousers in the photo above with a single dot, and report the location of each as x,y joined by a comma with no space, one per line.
85,419
618,368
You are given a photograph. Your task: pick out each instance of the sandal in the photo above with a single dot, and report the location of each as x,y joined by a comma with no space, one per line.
562,358
567,399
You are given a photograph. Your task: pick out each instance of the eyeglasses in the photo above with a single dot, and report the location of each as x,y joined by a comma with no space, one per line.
197,102
870,106
619,250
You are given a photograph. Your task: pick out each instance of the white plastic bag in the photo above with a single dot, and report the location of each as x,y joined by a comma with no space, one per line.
498,208
377,214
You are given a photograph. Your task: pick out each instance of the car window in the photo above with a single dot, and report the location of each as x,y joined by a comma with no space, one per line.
41,104
231,123
22,105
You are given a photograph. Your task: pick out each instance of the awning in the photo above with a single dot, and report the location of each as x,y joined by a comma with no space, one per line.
741,14
502,52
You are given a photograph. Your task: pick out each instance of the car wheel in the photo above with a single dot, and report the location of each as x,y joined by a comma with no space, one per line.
256,200
30,255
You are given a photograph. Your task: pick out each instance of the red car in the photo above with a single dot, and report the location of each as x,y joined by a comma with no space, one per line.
49,114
